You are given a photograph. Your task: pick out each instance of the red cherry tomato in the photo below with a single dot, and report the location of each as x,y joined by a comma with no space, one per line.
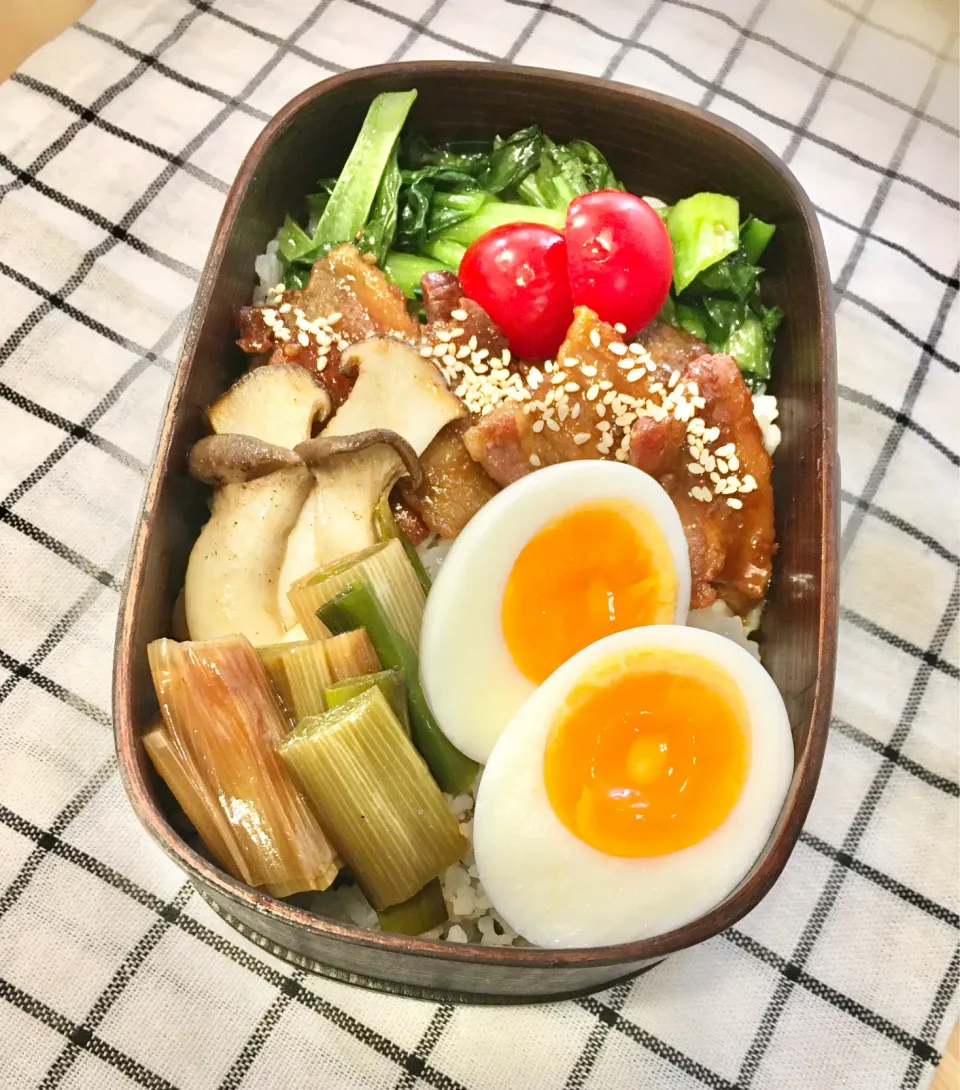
518,274
620,257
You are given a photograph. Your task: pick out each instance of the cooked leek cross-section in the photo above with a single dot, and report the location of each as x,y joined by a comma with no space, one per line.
357,606
389,682
300,674
351,654
222,723
375,798
388,571
387,528
421,912
179,773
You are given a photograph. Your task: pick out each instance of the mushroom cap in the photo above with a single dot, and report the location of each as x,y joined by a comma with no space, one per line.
236,459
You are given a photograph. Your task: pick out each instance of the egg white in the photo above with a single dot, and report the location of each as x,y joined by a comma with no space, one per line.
556,890
470,679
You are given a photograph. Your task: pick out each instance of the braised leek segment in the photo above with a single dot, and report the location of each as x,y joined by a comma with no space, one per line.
357,606
385,568
351,654
375,798
389,682
223,724
186,784
387,528
421,912
300,673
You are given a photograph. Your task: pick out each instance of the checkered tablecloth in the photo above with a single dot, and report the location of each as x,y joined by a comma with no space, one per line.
117,145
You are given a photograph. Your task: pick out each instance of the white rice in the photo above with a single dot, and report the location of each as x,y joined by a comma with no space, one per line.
269,270
765,410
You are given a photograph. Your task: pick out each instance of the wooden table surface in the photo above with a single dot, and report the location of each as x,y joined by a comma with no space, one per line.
24,26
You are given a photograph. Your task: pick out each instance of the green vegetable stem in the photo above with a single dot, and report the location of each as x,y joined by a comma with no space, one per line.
356,606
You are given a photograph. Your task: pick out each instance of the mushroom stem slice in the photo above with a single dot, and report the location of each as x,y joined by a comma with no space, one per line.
231,584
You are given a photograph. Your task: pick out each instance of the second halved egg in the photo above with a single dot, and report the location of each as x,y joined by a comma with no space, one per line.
562,558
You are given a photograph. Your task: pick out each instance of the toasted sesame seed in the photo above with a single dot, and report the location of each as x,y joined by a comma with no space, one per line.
571,387
734,463
601,409
695,468
620,327
734,503
722,466
635,375
604,425
593,391
674,379
725,450
581,437
443,335
285,308
535,460
594,338
333,318
455,333
553,425
625,420
426,351
303,339
537,425
563,411
458,315
621,454
506,356
575,411
618,348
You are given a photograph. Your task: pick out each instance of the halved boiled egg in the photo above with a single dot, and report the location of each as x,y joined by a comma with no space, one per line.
634,790
558,560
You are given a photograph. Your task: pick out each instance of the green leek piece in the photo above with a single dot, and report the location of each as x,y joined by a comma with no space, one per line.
374,797
386,568
426,909
351,654
703,229
300,673
352,198
357,606
754,237
407,270
390,682
387,528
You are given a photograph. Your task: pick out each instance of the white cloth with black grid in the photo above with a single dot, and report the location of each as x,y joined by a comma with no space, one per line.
117,145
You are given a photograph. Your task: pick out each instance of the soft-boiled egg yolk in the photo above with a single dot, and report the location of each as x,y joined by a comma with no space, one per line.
649,762
633,790
597,570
